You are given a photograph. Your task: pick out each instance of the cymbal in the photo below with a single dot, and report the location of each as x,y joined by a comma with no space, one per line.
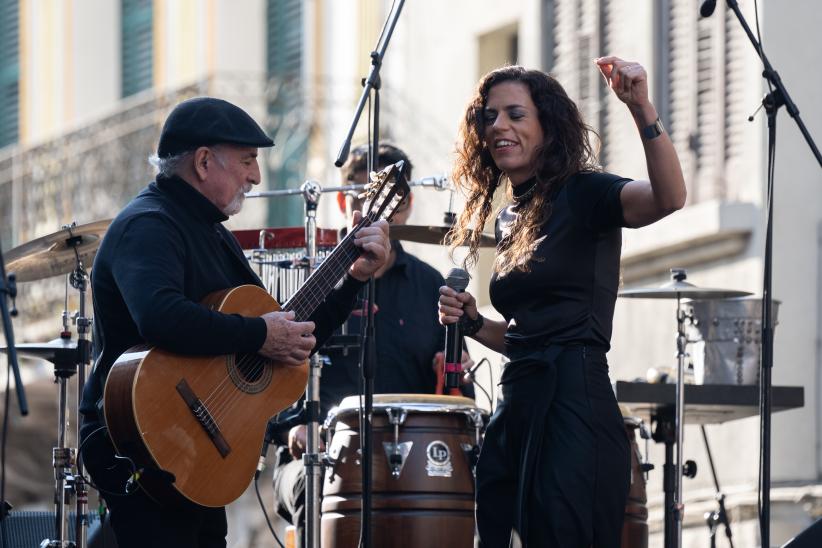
431,234
63,350
53,254
683,289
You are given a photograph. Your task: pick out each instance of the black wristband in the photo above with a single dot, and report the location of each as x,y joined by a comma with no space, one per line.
469,327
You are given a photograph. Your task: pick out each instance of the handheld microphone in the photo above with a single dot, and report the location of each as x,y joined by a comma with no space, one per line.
707,8
457,280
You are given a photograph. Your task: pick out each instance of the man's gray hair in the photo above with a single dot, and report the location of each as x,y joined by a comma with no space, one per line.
170,165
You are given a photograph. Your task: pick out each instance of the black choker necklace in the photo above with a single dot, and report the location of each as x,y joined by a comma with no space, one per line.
525,195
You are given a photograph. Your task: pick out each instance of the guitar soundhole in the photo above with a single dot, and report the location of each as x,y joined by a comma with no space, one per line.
251,373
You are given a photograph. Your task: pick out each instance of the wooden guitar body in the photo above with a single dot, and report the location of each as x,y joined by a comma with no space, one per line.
200,418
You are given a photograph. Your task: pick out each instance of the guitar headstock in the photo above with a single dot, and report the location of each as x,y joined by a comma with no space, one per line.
386,191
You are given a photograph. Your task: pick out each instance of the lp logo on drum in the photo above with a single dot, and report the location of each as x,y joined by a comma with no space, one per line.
439,459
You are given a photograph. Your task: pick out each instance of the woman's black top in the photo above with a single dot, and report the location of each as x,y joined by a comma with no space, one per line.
568,295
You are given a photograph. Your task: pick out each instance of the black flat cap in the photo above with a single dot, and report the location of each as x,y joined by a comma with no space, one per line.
205,121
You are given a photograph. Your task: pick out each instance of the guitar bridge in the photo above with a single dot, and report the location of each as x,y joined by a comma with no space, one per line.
203,416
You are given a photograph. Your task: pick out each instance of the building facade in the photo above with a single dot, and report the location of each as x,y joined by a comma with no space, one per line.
87,84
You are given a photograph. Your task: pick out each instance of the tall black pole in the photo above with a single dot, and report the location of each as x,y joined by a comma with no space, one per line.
8,289
377,57
371,83
777,97
369,363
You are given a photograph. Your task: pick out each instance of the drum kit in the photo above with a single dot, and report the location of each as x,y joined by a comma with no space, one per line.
704,317
67,251
429,443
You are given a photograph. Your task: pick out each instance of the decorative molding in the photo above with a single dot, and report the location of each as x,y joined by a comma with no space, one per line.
699,234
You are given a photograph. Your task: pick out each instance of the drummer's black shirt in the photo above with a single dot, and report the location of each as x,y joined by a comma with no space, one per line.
569,294
160,257
407,332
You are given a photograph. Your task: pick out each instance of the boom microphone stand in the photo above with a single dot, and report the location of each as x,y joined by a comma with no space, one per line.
8,288
371,83
719,516
777,97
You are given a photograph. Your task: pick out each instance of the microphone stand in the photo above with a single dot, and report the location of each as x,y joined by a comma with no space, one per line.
777,97
8,289
368,353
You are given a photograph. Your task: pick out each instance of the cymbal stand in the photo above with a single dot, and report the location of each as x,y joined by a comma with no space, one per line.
71,486
679,424
79,280
312,459
719,516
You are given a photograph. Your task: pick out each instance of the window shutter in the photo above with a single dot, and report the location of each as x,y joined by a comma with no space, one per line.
137,46
682,86
9,71
284,63
734,93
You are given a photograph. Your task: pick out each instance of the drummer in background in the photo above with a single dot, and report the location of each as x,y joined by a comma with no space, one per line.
408,336
554,465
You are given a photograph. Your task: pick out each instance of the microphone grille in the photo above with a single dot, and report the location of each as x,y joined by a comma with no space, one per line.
457,279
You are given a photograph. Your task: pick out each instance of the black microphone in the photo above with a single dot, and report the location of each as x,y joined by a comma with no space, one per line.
271,430
707,8
457,280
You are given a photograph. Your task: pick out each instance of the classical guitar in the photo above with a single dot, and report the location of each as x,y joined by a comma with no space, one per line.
193,425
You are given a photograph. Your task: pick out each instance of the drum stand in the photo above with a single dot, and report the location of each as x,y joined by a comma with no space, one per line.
70,486
312,459
674,507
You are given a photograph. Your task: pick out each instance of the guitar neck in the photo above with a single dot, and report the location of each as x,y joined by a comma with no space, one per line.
320,283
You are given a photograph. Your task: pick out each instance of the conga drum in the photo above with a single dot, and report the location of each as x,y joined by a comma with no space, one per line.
424,451
635,526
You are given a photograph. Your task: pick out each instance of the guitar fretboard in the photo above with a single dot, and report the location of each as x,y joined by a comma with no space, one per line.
320,283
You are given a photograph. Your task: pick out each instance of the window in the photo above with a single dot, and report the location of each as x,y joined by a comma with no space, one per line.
498,48
137,64
705,84
9,71
284,62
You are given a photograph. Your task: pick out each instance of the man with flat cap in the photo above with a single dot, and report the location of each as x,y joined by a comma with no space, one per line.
164,252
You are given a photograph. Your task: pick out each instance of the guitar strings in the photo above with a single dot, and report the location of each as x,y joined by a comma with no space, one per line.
223,396
315,296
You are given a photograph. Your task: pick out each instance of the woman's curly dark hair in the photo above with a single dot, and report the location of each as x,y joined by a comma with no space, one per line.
566,150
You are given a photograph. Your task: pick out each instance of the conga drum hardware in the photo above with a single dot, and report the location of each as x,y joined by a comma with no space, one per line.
396,452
